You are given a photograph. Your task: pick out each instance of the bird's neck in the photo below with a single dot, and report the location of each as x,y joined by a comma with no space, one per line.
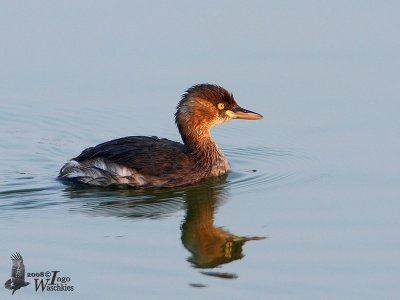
195,132
200,143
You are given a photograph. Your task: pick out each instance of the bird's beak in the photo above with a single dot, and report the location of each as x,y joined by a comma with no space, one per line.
241,113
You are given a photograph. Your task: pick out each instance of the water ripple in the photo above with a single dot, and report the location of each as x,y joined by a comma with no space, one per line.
260,168
253,169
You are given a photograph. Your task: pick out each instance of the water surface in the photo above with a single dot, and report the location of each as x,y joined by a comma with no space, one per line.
310,209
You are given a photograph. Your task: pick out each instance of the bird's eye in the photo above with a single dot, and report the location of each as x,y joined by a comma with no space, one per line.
221,106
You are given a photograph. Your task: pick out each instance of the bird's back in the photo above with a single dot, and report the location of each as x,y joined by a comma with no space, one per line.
136,161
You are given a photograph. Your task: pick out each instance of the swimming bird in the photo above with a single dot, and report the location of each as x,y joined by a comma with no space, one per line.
148,161
17,279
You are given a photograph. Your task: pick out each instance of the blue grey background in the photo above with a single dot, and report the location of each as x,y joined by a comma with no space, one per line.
324,74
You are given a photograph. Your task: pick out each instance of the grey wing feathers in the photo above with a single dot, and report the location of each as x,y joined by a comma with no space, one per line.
18,268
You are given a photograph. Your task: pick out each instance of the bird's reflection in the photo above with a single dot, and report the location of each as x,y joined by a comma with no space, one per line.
210,246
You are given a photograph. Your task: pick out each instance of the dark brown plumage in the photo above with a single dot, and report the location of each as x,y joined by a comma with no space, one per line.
141,161
17,279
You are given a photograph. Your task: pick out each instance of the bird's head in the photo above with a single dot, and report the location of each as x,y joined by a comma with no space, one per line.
205,105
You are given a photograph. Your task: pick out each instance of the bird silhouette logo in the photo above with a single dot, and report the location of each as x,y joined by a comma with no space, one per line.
17,279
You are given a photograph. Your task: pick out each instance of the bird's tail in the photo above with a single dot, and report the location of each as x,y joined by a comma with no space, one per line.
7,285
86,173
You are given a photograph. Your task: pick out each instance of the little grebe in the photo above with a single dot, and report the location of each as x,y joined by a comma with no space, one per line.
141,161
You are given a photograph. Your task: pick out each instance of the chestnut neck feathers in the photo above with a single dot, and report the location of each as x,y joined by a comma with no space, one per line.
196,113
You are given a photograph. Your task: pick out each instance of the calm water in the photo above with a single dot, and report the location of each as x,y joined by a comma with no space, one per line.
311,208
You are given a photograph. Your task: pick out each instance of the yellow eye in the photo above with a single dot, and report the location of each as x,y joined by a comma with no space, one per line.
221,106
